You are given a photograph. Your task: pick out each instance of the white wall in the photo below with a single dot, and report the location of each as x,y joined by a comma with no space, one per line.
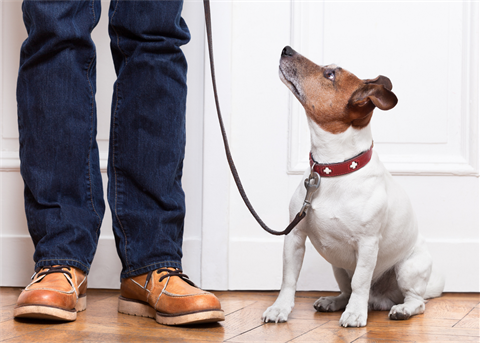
429,141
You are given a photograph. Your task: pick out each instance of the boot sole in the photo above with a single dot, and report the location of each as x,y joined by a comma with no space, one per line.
141,309
51,313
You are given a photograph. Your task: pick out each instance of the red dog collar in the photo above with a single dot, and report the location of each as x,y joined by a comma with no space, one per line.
342,168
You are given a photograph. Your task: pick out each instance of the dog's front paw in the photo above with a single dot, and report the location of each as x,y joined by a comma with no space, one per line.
353,319
399,312
330,304
276,314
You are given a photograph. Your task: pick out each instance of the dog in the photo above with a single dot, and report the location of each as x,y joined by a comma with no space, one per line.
360,220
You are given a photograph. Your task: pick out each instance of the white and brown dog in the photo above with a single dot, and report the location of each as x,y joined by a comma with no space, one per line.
360,219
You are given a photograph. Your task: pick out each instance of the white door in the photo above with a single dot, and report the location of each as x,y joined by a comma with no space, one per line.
429,142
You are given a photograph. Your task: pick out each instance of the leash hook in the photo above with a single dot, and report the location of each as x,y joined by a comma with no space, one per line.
312,183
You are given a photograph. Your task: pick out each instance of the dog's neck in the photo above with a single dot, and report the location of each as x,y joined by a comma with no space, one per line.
333,148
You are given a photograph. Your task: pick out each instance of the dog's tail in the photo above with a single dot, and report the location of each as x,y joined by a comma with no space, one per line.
435,285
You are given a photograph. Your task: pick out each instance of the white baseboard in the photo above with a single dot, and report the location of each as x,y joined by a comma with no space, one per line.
457,259
17,266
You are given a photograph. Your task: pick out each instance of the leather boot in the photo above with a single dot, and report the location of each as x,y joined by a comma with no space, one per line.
167,295
56,293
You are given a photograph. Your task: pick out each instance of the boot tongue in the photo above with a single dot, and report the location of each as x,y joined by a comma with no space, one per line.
55,269
54,277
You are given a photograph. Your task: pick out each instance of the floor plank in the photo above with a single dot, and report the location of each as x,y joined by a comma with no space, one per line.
282,332
331,332
450,318
471,320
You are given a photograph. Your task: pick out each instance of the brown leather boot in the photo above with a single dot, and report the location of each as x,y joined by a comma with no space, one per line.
170,297
56,293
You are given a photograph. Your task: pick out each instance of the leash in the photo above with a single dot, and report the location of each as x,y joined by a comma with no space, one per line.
311,183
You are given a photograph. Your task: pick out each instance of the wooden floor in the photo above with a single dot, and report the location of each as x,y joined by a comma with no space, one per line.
451,318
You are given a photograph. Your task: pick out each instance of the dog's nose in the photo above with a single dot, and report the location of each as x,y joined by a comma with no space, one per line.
288,51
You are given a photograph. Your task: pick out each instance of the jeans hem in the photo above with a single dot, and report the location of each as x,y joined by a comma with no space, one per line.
63,261
151,267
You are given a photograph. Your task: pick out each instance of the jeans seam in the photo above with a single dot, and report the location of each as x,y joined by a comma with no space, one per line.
113,140
90,148
116,33
92,113
93,10
116,177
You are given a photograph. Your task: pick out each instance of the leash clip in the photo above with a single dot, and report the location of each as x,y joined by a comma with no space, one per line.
311,184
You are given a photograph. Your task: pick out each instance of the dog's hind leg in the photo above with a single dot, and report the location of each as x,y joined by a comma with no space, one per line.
413,275
337,303
384,292
293,253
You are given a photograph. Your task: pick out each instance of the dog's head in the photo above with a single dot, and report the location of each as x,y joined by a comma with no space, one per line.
333,97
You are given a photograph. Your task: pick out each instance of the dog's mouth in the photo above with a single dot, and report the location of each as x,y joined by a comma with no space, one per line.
290,84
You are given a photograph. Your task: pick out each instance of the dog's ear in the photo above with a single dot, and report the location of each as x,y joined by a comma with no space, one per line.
380,80
376,93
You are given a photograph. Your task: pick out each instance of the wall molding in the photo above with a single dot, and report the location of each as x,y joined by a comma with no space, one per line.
412,165
317,275
106,266
10,161
216,175
458,156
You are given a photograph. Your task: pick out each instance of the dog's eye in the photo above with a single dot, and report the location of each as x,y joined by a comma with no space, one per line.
329,74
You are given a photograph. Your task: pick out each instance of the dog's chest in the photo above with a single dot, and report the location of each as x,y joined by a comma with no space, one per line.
333,235
342,213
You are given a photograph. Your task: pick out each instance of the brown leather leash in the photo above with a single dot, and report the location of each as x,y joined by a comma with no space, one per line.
311,184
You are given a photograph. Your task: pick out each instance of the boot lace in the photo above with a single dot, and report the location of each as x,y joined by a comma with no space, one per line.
169,273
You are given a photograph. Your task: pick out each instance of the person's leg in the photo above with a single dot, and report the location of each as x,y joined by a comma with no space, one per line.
57,125
147,137
147,143
59,156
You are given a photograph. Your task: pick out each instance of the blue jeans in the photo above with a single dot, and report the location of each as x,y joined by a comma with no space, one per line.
57,122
